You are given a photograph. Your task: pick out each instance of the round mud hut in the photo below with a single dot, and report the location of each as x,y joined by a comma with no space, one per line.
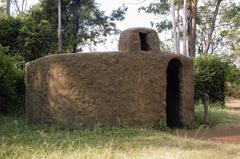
137,86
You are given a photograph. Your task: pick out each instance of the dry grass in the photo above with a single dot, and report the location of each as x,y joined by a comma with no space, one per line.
21,141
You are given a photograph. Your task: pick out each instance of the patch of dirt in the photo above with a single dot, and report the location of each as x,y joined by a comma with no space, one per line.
232,103
226,133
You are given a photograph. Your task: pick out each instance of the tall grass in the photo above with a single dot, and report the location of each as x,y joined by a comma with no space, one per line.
22,141
217,114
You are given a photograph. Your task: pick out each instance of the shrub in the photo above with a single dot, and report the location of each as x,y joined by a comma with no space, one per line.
35,39
9,30
210,75
26,36
11,84
232,85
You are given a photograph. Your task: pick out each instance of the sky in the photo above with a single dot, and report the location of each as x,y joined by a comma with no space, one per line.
132,19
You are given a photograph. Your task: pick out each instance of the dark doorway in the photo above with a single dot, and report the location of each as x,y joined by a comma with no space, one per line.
173,94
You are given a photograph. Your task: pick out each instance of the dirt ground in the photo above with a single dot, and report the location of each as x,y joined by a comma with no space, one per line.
232,103
224,132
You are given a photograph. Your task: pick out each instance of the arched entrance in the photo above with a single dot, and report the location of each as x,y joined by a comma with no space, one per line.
173,94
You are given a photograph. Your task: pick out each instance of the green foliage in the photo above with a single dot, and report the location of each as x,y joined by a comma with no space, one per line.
9,30
232,85
3,49
230,17
159,8
216,114
11,84
156,8
161,126
225,36
25,36
35,39
34,34
82,21
196,123
210,76
232,14
164,25
217,76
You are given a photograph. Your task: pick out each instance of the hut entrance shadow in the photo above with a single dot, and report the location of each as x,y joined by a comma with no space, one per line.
173,94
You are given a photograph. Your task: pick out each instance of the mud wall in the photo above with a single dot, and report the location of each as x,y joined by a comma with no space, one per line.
114,89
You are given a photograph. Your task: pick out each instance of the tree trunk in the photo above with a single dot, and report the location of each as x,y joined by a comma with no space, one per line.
174,26
212,26
194,35
20,6
59,27
192,11
185,29
189,26
8,8
178,29
17,7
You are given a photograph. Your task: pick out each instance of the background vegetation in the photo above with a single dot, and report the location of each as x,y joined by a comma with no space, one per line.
32,34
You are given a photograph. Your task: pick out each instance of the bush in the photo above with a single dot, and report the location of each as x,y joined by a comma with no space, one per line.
210,75
35,39
232,85
26,36
11,84
9,31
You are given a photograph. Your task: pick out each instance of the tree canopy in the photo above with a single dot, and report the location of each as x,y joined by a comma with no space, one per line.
225,27
34,33
82,21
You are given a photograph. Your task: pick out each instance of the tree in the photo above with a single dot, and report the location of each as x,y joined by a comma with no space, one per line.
185,28
81,21
5,7
20,6
162,8
35,38
176,39
224,37
26,36
192,11
34,34
8,7
11,82
9,31
212,26
59,26
230,19
202,19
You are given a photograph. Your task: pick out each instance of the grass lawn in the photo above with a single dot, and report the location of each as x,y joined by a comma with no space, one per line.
18,140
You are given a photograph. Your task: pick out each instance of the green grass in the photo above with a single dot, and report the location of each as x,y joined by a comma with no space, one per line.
217,114
21,141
